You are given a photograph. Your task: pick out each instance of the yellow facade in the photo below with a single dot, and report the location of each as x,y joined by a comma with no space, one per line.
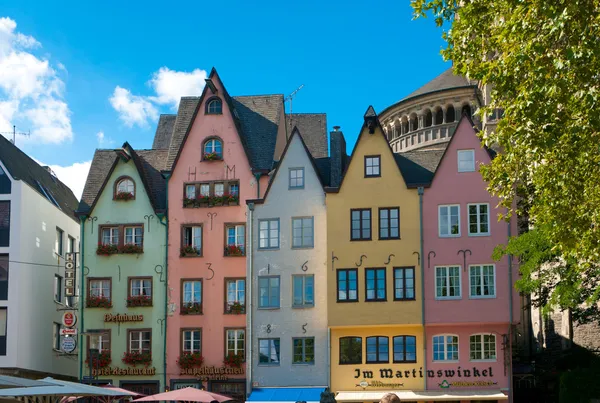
380,376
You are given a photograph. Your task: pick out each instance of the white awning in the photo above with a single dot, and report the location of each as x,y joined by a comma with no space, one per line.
430,395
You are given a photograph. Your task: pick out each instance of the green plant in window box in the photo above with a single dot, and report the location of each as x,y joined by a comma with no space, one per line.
188,251
190,360
233,360
191,308
203,201
230,199
139,300
216,200
189,202
124,196
237,308
131,248
134,358
98,302
106,250
102,360
214,156
234,250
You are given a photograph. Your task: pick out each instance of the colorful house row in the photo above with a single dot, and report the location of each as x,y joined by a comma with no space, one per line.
242,256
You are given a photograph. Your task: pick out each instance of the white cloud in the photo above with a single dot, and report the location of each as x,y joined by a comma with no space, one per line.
103,140
169,86
100,137
133,109
31,91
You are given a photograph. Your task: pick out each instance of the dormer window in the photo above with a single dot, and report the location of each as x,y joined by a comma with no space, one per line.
372,166
212,150
466,160
124,189
214,106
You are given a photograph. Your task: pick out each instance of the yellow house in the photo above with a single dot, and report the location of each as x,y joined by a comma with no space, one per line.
374,273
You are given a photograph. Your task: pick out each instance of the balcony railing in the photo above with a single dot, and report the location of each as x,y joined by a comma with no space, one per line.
423,136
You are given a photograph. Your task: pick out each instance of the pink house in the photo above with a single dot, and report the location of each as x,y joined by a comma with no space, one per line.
221,151
467,294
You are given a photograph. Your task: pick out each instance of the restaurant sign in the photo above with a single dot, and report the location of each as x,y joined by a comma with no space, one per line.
212,373
120,318
390,378
116,371
465,384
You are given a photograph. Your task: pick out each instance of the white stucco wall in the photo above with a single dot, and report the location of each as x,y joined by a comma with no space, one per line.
31,307
287,322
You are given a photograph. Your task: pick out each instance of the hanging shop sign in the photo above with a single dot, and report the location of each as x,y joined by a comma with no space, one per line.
212,373
390,378
120,318
68,331
70,273
69,319
68,344
130,371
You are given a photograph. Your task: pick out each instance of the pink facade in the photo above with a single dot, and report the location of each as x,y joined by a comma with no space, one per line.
213,268
466,291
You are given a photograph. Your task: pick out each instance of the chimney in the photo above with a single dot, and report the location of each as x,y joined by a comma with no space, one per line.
337,149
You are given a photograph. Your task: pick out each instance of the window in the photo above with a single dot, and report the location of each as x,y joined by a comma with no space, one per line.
190,191
449,220
214,193
140,288
134,236
125,186
350,350
404,283
99,340
191,341
372,166
236,342
191,297
4,263
303,232
71,245
445,347
268,234
3,325
389,223
447,282
378,350
234,189
482,347
347,285
479,219
405,349
213,150
361,224
57,288
296,178
235,240
110,236
219,189
304,350
56,336
192,241
214,106
466,160
268,292
204,189
375,284
304,290
59,242
4,183
140,341
482,281
236,295
268,351
99,288
4,223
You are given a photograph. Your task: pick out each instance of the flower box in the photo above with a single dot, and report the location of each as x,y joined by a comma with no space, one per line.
231,199
107,250
103,360
233,360
190,360
139,300
236,308
134,358
216,200
191,308
189,202
98,302
234,250
131,248
188,251
124,196
212,157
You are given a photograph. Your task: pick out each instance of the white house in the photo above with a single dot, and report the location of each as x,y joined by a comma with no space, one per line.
37,228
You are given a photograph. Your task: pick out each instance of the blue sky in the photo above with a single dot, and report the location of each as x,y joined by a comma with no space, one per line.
80,68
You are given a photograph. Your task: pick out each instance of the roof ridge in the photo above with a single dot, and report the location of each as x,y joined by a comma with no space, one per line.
256,96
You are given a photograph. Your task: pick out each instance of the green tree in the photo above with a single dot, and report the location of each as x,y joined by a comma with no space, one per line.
542,60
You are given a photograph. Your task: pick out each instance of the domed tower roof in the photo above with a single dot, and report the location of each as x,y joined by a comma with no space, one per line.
445,81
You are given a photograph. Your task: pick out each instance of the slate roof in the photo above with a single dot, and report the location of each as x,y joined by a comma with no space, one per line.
418,167
445,81
185,114
324,170
164,130
313,129
21,167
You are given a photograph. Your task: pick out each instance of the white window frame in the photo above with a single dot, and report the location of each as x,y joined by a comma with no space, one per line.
239,231
481,277
447,277
236,339
121,188
140,284
104,284
193,291
458,160
190,191
444,336
192,340
133,236
448,207
478,233
139,340
296,178
269,240
99,340
482,345
238,288
113,235
210,146
193,238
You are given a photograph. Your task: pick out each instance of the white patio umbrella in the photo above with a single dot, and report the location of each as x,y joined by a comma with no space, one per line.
55,392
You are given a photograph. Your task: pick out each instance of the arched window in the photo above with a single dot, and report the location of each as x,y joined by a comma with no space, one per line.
428,118
439,117
414,123
466,110
405,126
450,115
214,106
212,149
124,188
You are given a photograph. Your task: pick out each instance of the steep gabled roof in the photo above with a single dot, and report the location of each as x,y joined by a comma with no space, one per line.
21,167
164,130
256,119
313,129
149,164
